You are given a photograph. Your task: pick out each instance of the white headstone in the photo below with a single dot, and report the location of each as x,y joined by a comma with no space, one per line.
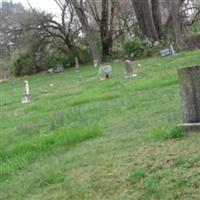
26,98
172,49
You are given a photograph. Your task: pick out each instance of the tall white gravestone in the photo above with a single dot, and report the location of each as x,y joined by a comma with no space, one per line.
26,98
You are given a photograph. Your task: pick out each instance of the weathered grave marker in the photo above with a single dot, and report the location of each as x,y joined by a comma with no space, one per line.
26,98
77,64
105,71
167,52
129,69
57,69
189,78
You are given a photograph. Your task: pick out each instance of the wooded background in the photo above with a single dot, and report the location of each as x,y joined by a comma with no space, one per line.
93,30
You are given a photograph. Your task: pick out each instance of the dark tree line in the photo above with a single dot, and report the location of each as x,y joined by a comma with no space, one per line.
96,24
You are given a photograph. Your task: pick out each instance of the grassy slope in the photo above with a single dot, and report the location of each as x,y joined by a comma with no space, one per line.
40,159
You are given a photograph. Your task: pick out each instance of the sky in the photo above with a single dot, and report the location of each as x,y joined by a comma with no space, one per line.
46,5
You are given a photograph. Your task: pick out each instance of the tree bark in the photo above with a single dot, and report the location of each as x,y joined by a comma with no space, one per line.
145,19
176,25
190,93
104,27
85,25
155,6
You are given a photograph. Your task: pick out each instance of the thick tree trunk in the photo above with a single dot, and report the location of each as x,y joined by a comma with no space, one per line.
190,92
155,4
145,18
176,25
112,25
85,25
107,26
104,27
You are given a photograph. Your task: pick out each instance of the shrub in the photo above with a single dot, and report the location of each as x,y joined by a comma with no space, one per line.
193,41
84,56
60,58
23,63
137,49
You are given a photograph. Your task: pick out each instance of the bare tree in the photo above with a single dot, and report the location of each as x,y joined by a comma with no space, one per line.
176,23
145,18
80,11
103,13
156,13
66,31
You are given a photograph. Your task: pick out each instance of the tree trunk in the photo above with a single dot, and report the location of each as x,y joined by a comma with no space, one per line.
85,25
176,25
145,18
104,27
190,91
155,4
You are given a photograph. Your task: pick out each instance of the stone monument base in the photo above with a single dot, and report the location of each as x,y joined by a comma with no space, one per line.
190,127
26,99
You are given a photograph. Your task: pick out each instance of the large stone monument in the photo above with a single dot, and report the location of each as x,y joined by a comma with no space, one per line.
189,78
26,98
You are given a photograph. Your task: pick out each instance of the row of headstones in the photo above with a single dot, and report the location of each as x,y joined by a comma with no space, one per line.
105,69
105,72
189,84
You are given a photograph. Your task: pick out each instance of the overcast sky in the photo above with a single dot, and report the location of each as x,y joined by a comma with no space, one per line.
47,5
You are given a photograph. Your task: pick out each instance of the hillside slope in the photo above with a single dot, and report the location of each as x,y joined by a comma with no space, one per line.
90,139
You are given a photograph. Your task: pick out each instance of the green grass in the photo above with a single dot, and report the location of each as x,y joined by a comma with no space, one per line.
87,139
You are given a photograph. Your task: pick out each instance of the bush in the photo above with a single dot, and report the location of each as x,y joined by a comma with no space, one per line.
193,41
67,59
137,49
84,56
60,58
23,63
4,69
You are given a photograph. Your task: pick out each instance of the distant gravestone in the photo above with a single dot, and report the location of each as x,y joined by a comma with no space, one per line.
105,71
26,98
129,69
167,52
50,70
57,69
77,64
14,86
95,62
189,78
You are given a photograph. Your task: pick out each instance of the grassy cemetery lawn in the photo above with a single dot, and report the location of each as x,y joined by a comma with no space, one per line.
85,139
